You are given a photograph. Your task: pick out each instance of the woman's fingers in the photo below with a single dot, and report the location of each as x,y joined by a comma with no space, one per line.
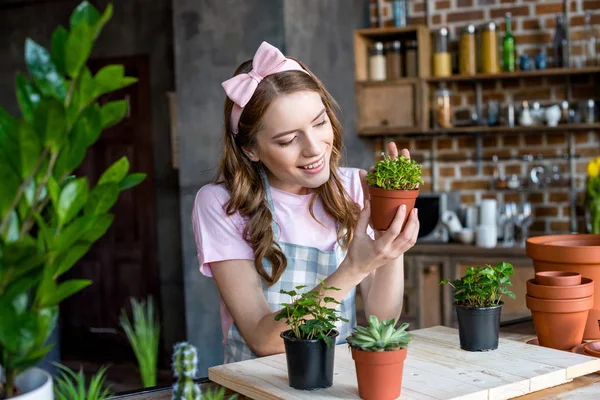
392,150
406,153
409,235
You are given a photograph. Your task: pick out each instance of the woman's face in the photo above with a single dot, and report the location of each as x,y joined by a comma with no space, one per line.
294,142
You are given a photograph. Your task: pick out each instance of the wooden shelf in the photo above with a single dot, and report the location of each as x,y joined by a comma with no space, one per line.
479,129
516,74
379,33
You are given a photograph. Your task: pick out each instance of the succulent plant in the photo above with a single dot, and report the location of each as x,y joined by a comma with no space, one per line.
380,336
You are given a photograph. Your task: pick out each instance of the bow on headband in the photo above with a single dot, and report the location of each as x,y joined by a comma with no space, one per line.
267,60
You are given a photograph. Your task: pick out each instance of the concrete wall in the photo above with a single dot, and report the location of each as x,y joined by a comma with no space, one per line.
137,27
212,37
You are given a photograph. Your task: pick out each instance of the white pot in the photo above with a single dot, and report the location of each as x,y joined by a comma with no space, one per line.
35,384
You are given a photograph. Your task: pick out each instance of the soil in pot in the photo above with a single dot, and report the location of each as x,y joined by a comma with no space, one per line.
385,203
379,374
309,362
574,253
558,278
586,289
559,324
478,328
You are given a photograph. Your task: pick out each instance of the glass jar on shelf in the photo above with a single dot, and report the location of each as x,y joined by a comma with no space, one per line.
411,59
377,62
467,62
394,60
442,109
488,55
442,63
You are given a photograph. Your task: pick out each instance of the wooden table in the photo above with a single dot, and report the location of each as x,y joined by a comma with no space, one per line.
582,388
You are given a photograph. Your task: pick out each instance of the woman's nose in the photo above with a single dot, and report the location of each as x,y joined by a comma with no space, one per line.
311,147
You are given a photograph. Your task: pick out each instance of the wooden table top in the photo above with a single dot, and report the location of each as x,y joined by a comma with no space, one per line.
585,387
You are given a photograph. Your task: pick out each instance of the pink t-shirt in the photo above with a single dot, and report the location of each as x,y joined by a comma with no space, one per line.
219,237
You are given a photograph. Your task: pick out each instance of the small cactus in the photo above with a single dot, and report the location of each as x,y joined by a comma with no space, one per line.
185,359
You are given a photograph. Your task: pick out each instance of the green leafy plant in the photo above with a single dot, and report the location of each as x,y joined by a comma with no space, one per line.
143,336
379,336
400,173
72,386
308,315
216,394
49,218
482,286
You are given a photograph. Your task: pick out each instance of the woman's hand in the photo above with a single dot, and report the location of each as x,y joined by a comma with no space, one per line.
366,254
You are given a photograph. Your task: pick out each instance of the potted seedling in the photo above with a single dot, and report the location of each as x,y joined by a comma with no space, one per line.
309,343
477,298
379,351
392,182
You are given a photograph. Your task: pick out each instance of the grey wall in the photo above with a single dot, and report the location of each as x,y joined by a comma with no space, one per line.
137,27
212,37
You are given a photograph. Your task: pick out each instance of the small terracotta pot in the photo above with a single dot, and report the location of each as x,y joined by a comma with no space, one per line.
385,203
586,289
558,278
559,324
379,374
573,253
592,348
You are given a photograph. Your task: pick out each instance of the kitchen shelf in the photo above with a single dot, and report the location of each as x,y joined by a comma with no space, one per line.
478,130
517,74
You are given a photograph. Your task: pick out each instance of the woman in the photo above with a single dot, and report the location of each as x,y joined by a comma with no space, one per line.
282,213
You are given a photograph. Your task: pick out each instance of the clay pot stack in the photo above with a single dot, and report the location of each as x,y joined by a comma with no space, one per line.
560,303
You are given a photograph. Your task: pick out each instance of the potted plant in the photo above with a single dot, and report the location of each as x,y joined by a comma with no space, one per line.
477,298
72,386
49,218
309,343
392,182
593,195
379,351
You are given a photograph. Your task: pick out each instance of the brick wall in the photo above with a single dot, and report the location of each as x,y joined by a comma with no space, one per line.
533,25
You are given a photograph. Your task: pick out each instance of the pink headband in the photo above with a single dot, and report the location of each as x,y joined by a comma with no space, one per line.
267,60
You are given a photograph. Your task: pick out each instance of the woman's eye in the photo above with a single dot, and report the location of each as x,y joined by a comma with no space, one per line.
286,144
322,123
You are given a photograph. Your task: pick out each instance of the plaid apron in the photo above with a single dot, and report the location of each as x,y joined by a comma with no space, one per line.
305,266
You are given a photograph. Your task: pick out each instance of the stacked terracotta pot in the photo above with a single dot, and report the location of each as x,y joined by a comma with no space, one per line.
560,303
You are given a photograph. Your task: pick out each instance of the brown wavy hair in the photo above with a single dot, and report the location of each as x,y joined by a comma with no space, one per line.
242,178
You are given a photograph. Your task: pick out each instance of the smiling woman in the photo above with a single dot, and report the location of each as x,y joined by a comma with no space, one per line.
282,213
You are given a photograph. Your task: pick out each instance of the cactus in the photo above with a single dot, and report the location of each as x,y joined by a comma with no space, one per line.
379,336
185,358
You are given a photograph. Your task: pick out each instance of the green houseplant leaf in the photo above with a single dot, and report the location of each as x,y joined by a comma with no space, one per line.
72,199
112,113
116,172
45,74
50,124
399,173
59,40
30,148
131,180
28,97
78,48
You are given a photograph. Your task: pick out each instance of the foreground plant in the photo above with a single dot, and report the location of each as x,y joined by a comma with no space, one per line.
379,336
400,173
72,386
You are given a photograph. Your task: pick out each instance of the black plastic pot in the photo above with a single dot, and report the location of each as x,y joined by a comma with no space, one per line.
478,328
309,362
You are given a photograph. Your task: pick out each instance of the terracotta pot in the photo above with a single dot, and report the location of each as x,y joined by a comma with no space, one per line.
379,374
592,349
574,253
559,324
558,278
385,203
586,289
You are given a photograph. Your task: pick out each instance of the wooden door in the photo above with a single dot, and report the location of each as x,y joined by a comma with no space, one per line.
122,264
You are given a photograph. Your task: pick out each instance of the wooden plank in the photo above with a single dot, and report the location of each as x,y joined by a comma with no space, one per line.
436,368
517,74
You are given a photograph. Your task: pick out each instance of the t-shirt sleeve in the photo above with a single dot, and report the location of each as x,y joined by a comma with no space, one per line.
218,236
353,185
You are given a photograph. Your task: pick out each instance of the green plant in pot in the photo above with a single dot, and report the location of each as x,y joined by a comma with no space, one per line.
49,218
478,302
392,182
379,351
309,343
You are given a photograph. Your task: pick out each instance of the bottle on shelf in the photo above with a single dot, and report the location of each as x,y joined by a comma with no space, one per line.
400,12
561,43
509,63
467,61
377,63
442,64
590,42
488,56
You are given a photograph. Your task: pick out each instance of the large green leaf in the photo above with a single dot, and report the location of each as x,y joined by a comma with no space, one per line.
102,198
54,191
73,232
27,96
70,257
78,48
72,199
46,322
9,331
49,123
30,148
20,286
101,225
59,41
9,186
132,180
106,16
31,358
45,74
111,78
112,113
64,290
85,14
9,142
89,126
116,172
